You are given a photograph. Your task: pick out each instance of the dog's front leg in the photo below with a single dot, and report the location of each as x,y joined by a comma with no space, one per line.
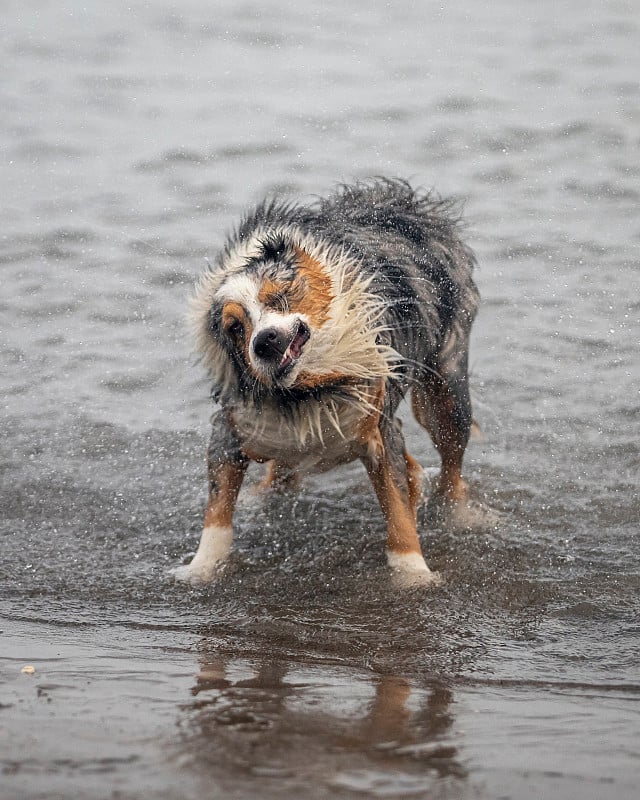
226,469
392,473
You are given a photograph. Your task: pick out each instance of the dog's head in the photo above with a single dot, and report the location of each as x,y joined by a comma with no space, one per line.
266,315
283,314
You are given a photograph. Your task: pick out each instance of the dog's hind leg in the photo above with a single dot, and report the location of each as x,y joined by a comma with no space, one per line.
226,469
441,404
395,478
414,482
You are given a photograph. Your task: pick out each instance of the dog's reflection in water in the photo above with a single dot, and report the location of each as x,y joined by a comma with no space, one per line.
305,722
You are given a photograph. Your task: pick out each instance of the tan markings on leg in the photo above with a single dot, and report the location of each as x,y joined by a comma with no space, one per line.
402,536
396,478
434,410
374,447
224,485
451,484
414,478
368,433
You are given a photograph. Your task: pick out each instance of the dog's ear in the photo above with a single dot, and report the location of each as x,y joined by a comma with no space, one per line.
275,248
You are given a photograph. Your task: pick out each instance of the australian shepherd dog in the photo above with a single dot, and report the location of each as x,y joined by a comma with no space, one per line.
314,323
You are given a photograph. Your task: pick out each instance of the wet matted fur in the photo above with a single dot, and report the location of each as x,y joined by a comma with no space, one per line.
314,323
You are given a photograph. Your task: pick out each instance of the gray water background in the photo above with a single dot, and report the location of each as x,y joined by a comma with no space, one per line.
132,137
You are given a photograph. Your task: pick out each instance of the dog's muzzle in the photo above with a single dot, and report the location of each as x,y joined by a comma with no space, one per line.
279,350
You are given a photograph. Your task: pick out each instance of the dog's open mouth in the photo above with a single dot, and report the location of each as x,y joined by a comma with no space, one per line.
294,349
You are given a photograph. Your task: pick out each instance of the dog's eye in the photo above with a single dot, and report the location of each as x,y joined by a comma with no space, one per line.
235,329
279,301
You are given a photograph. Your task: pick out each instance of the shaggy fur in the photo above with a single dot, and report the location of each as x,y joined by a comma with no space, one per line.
313,324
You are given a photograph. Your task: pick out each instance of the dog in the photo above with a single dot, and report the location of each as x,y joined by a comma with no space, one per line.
314,323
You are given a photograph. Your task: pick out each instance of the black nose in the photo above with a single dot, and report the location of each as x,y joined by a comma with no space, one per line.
270,344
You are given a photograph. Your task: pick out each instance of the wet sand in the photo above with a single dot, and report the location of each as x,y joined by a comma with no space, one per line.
118,712
134,138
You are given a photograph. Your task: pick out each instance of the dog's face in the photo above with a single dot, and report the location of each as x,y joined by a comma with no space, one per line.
288,316
267,316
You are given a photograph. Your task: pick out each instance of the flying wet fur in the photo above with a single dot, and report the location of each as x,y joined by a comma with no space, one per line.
314,323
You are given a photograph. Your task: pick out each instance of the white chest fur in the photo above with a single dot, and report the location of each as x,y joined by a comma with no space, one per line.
316,436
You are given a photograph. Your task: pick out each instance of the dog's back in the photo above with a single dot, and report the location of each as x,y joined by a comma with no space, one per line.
408,242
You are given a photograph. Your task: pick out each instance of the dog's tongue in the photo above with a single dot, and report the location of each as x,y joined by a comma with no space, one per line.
292,353
295,348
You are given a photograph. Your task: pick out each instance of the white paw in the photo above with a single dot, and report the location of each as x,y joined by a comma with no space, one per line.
196,575
210,558
410,569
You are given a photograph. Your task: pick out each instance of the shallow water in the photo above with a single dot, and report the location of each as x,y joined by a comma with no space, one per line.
133,138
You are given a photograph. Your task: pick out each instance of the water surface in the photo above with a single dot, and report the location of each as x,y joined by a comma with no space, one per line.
132,138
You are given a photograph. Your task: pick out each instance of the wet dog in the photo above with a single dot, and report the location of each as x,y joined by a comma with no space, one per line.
314,324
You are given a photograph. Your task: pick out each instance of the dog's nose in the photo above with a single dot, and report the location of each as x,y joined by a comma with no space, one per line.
270,344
